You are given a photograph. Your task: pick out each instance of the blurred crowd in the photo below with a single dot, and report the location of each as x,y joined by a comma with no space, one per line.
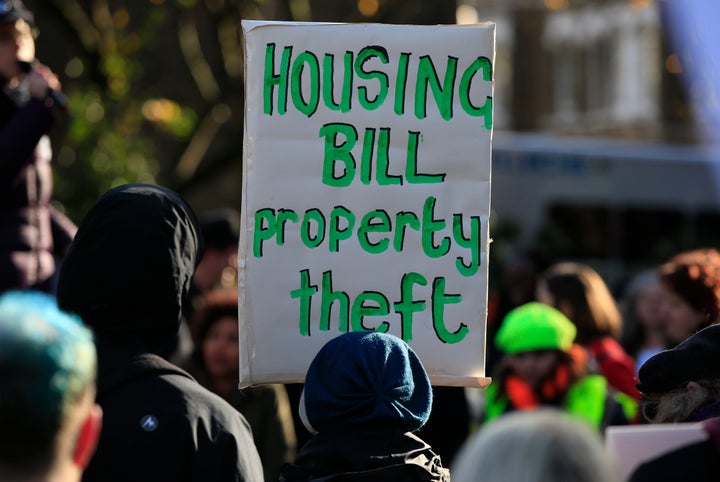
151,288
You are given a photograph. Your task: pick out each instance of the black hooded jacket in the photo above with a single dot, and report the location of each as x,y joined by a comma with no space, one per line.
372,453
127,274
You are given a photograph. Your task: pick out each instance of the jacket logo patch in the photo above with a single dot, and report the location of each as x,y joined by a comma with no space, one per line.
149,423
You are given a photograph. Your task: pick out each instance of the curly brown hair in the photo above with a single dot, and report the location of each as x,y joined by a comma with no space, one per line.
695,277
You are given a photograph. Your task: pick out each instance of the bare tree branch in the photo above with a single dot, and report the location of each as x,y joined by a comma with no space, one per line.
201,140
196,62
88,34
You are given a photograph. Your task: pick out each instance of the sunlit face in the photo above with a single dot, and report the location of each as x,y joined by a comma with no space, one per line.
220,348
679,318
533,367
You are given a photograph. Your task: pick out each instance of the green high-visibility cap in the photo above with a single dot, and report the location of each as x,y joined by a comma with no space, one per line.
535,326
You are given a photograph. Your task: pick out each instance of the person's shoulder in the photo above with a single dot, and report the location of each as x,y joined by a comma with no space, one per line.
174,391
696,462
608,349
201,401
207,404
366,453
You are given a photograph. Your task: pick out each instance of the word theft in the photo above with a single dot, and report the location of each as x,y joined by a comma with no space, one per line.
353,315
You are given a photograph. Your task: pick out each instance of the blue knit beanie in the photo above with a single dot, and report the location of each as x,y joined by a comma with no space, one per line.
366,378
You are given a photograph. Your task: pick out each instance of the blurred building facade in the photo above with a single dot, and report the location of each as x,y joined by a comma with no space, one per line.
584,67
597,154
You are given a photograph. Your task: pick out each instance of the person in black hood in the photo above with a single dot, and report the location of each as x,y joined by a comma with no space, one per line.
127,274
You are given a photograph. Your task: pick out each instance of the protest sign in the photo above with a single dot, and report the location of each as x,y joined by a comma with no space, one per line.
631,446
366,193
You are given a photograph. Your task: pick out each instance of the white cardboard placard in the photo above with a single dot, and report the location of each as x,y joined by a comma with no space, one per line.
366,193
633,445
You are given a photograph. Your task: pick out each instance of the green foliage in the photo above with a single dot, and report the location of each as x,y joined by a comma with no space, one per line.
155,88
104,147
113,122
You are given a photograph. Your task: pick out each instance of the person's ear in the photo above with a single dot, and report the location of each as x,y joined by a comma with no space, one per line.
88,437
692,386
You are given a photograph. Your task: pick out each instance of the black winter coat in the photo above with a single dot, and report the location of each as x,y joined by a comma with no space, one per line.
32,233
159,424
697,462
377,454
126,275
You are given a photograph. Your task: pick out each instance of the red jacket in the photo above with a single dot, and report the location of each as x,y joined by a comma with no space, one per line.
615,365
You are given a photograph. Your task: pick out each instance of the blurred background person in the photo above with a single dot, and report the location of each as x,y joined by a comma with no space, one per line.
517,286
217,269
540,446
683,385
542,367
643,332
582,296
33,235
49,422
218,266
215,365
691,287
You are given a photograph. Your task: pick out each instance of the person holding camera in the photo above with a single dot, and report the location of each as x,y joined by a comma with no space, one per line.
33,235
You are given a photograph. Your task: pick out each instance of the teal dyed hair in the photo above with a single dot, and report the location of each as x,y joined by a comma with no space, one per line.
47,362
